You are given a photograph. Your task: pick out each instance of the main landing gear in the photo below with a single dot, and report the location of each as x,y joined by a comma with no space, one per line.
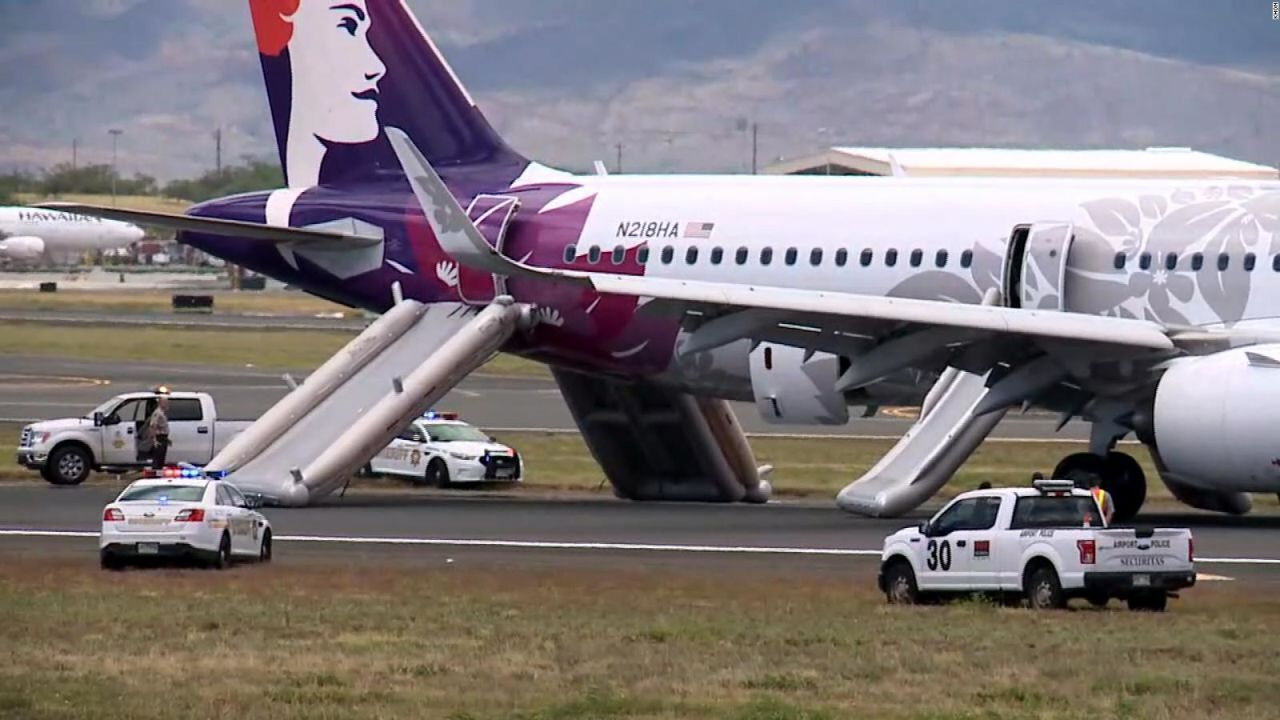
1119,474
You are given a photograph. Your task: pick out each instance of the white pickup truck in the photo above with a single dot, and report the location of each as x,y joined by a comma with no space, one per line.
1048,544
65,451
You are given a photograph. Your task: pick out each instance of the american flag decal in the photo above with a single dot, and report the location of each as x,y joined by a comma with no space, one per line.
699,231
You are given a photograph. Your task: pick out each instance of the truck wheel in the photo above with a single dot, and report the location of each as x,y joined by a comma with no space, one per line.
1098,601
900,584
1156,602
437,474
69,465
1044,591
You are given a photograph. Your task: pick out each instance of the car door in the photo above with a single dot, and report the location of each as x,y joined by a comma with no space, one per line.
944,562
120,432
226,511
190,433
247,523
973,543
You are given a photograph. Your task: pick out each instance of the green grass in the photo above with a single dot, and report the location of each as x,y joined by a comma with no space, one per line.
262,349
225,302
474,641
148,203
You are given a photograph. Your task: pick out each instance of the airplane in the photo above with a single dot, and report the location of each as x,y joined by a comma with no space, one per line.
1146,308
29,234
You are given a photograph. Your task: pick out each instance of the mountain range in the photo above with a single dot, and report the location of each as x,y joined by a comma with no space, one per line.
670,85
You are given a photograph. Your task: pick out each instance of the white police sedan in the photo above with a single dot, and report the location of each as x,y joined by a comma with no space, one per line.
183,515
440,450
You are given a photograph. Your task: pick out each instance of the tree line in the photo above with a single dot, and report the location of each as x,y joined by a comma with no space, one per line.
65,179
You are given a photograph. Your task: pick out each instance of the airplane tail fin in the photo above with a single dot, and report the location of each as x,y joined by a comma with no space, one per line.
337,73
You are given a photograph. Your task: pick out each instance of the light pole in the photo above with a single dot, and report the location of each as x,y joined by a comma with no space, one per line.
115,135
744,125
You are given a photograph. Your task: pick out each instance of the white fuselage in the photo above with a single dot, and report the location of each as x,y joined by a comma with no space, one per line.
61,233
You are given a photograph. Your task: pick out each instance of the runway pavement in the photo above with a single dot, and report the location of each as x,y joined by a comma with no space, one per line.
416,526
34,388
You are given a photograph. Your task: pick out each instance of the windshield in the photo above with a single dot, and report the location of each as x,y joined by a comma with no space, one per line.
163,493
103,408
1062,511
455,433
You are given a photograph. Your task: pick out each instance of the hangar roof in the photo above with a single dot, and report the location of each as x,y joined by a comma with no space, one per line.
1003,162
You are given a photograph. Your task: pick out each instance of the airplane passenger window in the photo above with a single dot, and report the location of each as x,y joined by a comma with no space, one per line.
1144,261
1197,261
1224,262
743,255
1171,261
917,257
642,256
593,255
941,260
619,255
1250,262
691,256
966,259
815,257
1121,259
717,256
668,255
891,258
570,253
766,256
792,256
868,257
842,257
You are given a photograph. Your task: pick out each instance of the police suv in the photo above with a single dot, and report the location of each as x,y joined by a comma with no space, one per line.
180,512
440,450
1048,544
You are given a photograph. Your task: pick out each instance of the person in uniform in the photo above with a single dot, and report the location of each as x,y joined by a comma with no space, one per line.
154,438
1103,498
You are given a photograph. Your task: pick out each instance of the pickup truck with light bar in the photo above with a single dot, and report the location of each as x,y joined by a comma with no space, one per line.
1045,544
65,451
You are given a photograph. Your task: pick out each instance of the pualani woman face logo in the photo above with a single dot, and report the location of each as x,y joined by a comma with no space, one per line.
335,74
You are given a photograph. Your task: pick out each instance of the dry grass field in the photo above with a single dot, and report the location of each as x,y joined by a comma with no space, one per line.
469,641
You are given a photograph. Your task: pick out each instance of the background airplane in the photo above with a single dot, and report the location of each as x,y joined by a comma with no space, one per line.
34,234
657,298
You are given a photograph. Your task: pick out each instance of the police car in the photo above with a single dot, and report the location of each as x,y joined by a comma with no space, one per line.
1046,544
181,513
440,450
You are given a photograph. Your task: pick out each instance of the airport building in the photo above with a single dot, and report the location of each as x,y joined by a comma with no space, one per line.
1167,163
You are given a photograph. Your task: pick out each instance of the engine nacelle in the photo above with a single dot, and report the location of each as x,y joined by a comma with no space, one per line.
791,391
1215,420
22,247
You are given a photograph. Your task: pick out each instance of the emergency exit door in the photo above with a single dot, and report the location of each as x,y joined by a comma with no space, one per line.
1035,267
492,215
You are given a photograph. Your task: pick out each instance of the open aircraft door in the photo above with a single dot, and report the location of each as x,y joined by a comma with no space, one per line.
1035,268
492,215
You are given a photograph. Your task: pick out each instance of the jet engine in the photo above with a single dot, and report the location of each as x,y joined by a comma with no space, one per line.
21,247
793,388
1214,420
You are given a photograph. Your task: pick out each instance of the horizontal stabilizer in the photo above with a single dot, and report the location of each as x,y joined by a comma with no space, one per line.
215,226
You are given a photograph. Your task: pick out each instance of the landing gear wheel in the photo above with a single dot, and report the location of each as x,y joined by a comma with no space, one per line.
1098,601
1119,474
900,584
1156,602
1127,484
222,560
1043,590
264,552
1084,469
437,474
69,465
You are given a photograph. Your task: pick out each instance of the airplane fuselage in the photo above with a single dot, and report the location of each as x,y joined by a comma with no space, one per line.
1184,253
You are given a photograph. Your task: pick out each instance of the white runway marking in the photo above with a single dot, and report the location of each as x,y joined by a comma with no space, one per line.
553,545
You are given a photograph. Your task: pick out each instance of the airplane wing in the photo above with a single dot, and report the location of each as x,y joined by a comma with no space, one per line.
215,226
